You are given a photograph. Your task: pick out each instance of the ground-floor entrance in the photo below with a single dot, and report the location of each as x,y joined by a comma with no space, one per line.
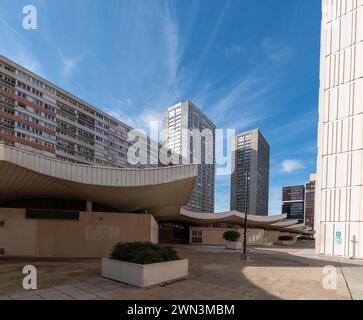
174,233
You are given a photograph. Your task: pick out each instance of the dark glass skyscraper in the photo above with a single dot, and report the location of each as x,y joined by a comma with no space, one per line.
250,178
310,201
293,202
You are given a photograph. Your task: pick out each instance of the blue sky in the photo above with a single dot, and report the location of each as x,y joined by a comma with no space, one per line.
246,64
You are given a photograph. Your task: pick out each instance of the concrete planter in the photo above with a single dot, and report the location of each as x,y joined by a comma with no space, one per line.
234,245
147,275
286,242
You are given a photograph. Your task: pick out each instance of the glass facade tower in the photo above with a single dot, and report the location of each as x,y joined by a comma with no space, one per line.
250,177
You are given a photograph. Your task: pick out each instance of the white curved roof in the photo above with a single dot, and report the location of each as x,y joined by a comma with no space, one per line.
231,217
25,175
286,223
162,191
276,222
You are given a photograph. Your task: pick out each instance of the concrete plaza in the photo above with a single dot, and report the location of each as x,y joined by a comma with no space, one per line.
214,273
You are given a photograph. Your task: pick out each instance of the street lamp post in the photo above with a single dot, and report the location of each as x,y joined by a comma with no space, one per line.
246,215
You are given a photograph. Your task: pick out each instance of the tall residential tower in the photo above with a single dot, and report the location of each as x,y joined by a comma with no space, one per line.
250,178
179,120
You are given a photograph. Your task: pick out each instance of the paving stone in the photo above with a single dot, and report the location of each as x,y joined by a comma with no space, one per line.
52,294
47,291
97,280
89,288
67,288
60,297
22,295
353,274
32,297
105,294
82,295
106,283
276,273
113,286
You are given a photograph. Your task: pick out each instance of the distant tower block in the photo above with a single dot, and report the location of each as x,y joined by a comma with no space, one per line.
252,160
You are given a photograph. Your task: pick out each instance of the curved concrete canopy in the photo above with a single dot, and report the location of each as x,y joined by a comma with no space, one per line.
230,217
162,191
299,226
24,175
234,217
277,222
286,223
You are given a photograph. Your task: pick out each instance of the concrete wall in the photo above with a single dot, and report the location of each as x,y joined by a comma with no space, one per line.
93,235
272,236
255,237
211,236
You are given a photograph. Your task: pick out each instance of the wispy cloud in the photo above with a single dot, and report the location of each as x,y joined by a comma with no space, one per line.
235,50
122,110
215,30
308,148
291,165
11,28
68,65
172,46
277,51
212,38
27,60
305,122
244,104
254,97
149,70
17,48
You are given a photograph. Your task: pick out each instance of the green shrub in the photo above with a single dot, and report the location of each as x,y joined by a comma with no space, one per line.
143,253
231,236
305,238
286,238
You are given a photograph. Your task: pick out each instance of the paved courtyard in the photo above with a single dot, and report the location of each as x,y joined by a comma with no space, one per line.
214,273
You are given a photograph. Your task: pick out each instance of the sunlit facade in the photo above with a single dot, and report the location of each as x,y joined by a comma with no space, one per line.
339,187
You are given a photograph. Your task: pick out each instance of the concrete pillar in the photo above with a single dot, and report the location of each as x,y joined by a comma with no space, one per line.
89,206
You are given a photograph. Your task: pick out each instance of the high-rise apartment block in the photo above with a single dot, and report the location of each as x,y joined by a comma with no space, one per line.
178,124
339,186
250,176
40,117
309,202
293,202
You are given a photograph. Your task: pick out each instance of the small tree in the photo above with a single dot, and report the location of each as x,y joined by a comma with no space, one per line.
232,236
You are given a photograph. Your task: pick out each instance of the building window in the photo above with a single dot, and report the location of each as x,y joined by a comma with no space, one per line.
197,237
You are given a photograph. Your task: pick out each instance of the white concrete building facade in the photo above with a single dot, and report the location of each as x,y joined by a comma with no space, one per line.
182,118
339,190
